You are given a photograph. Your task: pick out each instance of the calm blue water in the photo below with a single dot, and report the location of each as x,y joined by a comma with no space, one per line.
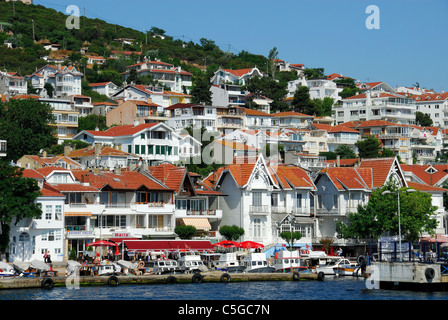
333,288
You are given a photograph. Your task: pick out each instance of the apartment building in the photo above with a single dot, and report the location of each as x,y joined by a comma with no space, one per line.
12,83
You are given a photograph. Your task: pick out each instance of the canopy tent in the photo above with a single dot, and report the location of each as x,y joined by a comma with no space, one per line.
167,245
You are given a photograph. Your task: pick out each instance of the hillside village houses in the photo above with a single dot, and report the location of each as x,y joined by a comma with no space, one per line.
131,179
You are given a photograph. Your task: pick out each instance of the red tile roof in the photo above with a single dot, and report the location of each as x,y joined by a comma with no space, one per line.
425,187
122,130
291,114
429,179
350,177
381,168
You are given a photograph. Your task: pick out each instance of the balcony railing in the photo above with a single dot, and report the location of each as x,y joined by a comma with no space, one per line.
259,209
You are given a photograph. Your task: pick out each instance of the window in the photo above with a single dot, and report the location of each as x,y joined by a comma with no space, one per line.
299,200
256,198
58,212
48,212
257,228
274,199
335,200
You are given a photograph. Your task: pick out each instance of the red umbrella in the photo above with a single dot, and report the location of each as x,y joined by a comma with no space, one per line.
103,243
226,244
250,245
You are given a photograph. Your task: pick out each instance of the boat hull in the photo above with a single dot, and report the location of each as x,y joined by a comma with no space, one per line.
261,270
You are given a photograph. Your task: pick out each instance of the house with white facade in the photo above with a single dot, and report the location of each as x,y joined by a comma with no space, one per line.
105,88
435,105
130,111
153,142
318,88
12,83
31,238
341,189
376,105
66,80
166,74
195,116
261,197
291,119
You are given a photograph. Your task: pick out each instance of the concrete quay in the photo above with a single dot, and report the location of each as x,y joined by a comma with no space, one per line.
211,276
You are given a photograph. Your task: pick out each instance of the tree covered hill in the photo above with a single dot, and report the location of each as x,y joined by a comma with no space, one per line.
100,36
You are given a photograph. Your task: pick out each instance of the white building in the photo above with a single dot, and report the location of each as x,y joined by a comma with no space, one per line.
65,80
435,105
104,88
376,105
260,198
12,83
319,88
153,142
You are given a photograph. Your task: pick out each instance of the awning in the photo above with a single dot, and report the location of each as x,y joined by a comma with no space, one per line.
78,214
168,245
198,223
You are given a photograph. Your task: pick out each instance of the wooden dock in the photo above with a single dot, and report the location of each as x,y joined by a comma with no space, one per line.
212,276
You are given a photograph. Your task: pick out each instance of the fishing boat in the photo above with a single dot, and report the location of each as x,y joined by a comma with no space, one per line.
336,266
128,267
256,262
24,269
191,263
6,270
228,262
285,260
107,268
163,266
73,267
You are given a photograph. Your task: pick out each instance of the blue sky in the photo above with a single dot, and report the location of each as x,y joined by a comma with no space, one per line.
410,46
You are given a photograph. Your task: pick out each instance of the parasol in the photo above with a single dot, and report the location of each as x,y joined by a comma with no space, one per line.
226,244
250,245
103,243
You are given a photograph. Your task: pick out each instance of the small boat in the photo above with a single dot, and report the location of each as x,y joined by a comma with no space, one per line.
24,269
191,263
40,266
7,270
256,262
347,271
228,262
285,260
106,268
337,262
73,267
163,266
127,266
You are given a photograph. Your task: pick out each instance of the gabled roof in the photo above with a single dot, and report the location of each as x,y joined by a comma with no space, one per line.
127,130
289,177
49,191
345,178
170,175
382,168
420,171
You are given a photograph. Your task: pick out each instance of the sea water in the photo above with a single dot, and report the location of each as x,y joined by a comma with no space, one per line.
332,288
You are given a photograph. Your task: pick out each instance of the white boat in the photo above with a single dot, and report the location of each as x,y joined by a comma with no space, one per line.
6,270
336,262
256,262
73,267
228,262
127,266
106,268
191,263
40,266
162,266
285,260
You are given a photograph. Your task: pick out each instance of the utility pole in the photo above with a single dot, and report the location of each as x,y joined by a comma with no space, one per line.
33,30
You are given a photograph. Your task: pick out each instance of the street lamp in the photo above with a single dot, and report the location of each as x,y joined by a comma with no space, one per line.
399,222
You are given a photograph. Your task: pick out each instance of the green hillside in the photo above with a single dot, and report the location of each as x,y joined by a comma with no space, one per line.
49,24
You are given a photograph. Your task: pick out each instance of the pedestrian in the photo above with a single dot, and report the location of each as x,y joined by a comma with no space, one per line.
45,256
340,252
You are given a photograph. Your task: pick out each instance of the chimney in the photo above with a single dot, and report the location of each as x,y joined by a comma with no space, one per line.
338,161
44,154
67,150
117,170
97,148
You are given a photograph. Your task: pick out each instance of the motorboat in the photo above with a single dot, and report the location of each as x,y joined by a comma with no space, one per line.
40,266
256,262
106,268
6,270
163,266
228,262
73,267
24,269
336,266
285,260
191,263
127,267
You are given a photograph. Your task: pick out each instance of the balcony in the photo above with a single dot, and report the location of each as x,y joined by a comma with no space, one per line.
210,213
259,210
